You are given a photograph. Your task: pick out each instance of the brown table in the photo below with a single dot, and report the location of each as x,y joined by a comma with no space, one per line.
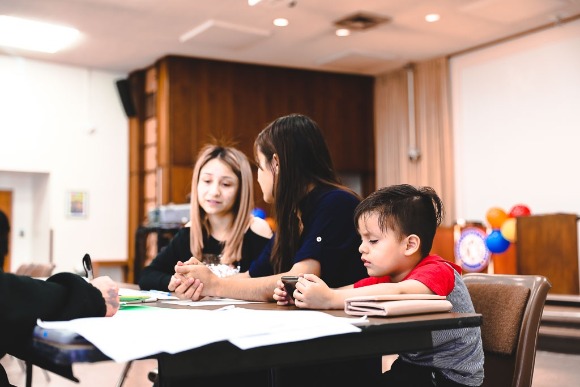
380,337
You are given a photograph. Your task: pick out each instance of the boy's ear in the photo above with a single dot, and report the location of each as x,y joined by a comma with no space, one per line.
413,244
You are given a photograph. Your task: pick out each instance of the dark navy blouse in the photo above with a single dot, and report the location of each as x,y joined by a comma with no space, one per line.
329,236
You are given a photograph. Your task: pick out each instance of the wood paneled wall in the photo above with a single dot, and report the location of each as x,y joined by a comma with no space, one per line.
198,100
235,101
548,245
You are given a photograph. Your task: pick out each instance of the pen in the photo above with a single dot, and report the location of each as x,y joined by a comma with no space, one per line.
88,265
160,292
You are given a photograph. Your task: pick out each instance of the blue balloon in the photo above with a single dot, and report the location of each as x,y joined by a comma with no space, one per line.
258,212
496,243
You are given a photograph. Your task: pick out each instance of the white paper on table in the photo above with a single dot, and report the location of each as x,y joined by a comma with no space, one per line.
289,326
356,321
144,331
212,301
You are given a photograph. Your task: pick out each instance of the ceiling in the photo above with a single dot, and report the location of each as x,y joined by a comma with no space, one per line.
126,35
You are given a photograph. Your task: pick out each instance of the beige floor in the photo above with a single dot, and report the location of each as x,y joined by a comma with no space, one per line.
102,374
552,369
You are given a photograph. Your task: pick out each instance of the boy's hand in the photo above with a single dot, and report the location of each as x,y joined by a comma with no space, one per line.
281,291
280,295
313,293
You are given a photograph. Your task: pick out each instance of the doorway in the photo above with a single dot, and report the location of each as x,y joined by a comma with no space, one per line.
6,207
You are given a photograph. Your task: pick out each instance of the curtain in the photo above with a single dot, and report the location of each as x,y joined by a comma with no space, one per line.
432,130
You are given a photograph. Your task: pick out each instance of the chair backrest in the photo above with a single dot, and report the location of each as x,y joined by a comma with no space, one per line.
511,307
39,270
23,269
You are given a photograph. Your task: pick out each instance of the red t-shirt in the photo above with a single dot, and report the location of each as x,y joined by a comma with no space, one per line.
433,271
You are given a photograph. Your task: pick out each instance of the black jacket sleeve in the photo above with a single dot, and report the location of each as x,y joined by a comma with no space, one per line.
158,274
23,300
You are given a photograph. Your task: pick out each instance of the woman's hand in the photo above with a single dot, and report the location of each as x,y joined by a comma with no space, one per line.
180,281
190,261
187,282
185,288
110,291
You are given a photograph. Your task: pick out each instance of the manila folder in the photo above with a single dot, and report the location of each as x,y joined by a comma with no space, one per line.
396,305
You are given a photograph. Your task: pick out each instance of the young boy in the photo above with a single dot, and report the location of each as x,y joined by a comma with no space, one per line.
397,225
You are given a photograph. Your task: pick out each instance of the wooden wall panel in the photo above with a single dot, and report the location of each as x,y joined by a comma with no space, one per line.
136,165
231,100
506,262
181,184
164,124
548,245
444,243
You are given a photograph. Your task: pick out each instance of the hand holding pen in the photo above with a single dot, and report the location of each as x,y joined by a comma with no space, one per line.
108,288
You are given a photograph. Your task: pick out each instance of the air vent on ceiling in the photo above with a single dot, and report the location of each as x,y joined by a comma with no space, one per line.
361,21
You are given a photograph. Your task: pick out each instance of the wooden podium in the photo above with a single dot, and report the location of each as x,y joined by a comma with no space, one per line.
548,245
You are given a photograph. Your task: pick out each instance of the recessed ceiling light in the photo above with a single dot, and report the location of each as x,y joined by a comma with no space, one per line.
342,32
280,22
251,3
35,36
432,17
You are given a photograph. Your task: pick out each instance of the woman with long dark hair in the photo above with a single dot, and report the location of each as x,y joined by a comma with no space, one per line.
315,234
313,212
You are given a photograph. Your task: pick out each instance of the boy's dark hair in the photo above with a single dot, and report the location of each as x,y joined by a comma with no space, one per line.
406,210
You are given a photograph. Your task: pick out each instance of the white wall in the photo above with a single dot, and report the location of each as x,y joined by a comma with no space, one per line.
516,118
63,129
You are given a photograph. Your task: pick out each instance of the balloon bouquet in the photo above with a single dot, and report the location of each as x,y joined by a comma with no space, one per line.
503,227
260,213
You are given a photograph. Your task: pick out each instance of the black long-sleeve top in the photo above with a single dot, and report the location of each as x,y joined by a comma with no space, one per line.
23,300
158,274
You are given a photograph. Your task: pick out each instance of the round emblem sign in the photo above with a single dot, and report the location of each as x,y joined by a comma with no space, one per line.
471,253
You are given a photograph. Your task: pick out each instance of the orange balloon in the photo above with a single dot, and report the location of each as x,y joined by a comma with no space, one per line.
495,217
272,223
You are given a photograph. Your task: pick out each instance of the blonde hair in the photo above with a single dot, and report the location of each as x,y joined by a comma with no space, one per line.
242,207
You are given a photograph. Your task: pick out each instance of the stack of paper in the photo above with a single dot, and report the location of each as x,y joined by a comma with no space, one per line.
142,331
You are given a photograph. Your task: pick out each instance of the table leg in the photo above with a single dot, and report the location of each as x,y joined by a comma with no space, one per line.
29,374
124,374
